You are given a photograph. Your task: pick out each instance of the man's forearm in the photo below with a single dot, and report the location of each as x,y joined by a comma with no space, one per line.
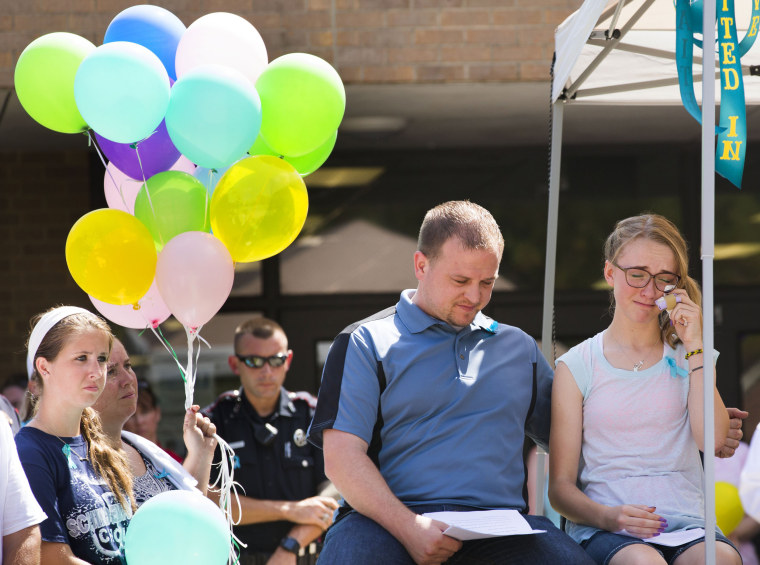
369,495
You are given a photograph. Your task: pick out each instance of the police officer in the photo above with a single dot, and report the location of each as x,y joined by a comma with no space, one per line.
280,473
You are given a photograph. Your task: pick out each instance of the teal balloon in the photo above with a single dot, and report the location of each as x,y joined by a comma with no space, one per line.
171,203
305,164
177,526
214,115
303,101
122,91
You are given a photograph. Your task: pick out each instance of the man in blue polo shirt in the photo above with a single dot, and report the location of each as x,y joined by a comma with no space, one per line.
425,406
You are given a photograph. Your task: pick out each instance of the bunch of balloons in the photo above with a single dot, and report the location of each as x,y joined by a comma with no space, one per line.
207,143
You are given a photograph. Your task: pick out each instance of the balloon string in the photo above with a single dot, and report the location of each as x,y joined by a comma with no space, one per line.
168,346
190,380
92,142
209,188
228,493
147,192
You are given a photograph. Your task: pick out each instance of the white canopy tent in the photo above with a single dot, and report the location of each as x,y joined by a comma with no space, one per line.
618,52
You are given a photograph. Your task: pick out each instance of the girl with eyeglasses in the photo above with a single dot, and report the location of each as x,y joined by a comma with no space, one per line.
627,410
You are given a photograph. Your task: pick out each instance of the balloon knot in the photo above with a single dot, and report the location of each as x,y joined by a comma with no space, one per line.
136,306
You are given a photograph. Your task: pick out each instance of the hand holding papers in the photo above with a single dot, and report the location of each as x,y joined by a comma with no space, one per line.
480,524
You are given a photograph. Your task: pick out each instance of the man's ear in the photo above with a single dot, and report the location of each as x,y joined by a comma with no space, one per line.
289,360
421,265
233,361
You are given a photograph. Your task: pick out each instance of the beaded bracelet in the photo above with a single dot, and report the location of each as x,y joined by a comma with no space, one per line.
696,369
692,353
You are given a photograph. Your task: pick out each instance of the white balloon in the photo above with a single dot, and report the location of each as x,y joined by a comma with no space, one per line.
223,39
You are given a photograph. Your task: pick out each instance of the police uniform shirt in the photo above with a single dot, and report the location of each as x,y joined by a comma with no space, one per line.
282,467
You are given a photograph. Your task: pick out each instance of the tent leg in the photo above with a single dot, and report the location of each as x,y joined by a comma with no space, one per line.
547,337
708,246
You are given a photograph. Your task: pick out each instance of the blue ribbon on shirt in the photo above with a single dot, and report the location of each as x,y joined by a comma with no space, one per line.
675,370
162,474
67,453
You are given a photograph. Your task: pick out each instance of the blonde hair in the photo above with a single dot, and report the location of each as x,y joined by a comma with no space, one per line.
658,229
108,462
472,224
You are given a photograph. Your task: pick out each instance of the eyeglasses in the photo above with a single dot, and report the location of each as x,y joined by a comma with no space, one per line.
639,278
257,362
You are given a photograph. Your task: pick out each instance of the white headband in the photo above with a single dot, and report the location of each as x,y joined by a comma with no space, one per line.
41,329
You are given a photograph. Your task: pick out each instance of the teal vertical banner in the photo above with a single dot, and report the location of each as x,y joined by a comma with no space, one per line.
731,146
685,56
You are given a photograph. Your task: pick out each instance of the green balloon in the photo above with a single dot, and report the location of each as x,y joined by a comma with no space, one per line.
171,203
44,80
302,103
305,164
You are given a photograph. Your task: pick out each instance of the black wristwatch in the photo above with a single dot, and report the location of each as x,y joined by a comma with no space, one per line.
291,545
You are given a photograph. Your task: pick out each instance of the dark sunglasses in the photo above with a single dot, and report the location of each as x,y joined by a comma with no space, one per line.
257,362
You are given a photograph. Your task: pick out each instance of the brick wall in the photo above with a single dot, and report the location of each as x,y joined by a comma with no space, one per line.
368,41
42,195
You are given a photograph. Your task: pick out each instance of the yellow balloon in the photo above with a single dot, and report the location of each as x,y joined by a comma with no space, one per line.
111,256
728,507
258,207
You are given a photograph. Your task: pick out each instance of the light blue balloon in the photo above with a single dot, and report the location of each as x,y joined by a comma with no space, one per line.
151,26
177,526
214,115
122,91
209,177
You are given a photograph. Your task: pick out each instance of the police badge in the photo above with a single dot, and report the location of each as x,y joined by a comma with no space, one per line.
299,437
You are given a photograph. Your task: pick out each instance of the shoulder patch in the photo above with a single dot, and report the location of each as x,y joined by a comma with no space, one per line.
224,398
305,396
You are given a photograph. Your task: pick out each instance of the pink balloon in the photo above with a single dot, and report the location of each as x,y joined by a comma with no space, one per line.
152,311
184,164
194,275
121,190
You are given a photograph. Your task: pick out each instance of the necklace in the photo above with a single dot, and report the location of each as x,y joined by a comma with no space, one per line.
67,451
636,366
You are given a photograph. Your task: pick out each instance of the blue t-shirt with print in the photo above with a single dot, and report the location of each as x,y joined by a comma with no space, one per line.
81,509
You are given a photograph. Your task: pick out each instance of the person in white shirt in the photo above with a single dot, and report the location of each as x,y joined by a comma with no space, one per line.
19,512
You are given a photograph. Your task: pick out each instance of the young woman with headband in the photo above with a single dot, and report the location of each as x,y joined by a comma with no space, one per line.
81,482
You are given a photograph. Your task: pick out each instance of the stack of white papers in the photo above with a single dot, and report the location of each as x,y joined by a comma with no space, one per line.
672,539
480,524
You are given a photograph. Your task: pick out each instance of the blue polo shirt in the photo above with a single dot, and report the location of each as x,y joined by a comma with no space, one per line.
444,411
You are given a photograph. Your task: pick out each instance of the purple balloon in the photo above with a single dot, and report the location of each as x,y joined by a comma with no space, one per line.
157,154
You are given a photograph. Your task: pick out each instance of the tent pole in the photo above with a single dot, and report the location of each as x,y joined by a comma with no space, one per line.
611,44
708,252
547,336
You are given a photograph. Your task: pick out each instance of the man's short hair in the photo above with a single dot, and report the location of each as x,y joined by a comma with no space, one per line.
472,224
259,327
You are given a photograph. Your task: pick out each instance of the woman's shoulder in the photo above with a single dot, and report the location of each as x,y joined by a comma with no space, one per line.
31,441
583,351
